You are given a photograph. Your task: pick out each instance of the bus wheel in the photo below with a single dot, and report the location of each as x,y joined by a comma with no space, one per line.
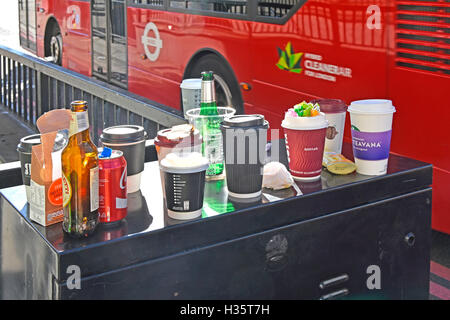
53,43
56,48
227,88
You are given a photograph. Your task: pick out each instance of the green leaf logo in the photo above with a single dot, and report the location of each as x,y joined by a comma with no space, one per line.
289,60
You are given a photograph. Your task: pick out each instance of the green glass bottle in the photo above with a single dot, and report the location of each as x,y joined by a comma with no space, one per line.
212,136
208,104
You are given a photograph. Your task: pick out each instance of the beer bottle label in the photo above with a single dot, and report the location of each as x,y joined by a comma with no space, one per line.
94,188
78,123
66,190
54,193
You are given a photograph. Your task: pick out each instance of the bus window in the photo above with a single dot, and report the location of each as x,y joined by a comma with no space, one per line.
227,6
27,24
118,43
275,8
149,2
109,41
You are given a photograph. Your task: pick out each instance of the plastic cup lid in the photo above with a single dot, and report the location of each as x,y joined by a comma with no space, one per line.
26,143
187,163
372,106
245,121
331,105
181,135
123,134
191,84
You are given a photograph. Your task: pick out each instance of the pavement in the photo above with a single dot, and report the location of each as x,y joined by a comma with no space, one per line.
440,266
11,131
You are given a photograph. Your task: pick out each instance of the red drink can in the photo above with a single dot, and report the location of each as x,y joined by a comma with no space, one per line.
113,201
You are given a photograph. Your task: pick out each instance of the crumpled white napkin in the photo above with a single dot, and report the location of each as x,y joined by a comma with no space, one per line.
276,176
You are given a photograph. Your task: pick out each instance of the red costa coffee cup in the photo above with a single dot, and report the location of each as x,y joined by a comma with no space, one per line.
305,141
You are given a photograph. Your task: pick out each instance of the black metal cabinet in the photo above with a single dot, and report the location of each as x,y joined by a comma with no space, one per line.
318,245
291,262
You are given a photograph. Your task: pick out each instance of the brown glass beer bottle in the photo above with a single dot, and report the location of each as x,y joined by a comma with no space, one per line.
79,162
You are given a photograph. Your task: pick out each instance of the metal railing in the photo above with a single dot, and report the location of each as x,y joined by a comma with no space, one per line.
30,87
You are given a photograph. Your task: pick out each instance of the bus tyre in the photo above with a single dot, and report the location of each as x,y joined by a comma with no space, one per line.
53,42
56,48
227,88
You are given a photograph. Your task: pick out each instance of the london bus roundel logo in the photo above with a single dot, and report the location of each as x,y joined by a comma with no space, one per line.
148,41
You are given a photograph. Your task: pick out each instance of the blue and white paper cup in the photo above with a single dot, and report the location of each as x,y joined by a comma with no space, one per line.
371,128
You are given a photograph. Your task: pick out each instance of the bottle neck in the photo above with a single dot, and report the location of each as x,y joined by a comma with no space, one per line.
78,106
208,92
208,105
79,124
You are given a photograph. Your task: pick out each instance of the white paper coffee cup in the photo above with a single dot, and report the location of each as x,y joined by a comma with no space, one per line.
335,111
191,93
371,127
336,120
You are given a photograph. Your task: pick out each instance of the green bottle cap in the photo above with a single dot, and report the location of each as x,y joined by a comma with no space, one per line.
207,75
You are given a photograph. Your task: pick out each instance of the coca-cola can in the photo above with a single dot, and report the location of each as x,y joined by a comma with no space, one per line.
113,203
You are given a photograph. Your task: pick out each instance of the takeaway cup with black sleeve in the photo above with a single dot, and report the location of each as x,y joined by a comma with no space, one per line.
244,146
130,139
184,184
24,150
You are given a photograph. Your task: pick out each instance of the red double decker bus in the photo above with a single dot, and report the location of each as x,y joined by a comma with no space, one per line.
268,55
